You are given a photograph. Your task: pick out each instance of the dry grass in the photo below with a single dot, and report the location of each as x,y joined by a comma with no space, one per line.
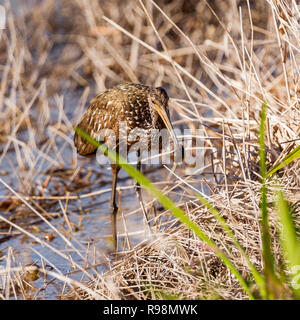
218,60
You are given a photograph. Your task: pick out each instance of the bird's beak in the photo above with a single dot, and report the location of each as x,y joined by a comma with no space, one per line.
162,113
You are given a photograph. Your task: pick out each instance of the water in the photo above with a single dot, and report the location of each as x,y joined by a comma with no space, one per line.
90,223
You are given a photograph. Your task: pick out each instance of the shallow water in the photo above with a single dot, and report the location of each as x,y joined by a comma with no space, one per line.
90,215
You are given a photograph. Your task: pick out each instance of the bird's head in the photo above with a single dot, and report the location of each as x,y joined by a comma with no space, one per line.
158,101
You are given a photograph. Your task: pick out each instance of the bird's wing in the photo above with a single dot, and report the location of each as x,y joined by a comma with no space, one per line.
102,114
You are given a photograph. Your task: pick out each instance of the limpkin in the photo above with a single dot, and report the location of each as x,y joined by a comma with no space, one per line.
141,107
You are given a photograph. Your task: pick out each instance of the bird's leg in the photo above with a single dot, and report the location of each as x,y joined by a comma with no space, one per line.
113,207
138,191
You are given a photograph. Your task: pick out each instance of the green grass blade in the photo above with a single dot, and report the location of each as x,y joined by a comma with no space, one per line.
266,238
293,155
260,281
168,204
288,237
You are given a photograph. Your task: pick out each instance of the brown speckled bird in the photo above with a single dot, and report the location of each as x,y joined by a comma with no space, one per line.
141,107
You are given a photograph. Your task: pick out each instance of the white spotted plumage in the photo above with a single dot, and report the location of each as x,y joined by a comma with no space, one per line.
130,103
